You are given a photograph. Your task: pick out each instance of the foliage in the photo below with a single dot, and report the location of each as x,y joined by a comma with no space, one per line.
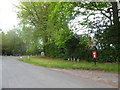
44,27
62,37
108,44
12,44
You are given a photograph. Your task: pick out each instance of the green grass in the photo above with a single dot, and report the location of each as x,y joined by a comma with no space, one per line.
40,61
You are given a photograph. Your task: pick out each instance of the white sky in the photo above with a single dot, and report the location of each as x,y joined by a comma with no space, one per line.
8,16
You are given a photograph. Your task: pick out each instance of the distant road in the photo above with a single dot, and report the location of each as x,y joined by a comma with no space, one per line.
16,74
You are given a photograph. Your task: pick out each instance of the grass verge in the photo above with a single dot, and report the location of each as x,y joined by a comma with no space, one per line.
40,61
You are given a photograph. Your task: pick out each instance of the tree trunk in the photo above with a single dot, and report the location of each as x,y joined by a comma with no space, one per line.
115,13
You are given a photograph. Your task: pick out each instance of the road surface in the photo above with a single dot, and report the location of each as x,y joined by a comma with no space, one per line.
17,74
0,72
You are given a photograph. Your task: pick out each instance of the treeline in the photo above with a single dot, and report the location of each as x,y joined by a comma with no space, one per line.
49,27
12,44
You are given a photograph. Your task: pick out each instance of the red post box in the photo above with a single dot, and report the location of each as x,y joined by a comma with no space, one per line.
94,55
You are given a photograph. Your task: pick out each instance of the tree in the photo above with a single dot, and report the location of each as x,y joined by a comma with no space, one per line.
11,43
47,24
0,43
36,15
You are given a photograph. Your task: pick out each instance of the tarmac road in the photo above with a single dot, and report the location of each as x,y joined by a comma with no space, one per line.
0,72
17,74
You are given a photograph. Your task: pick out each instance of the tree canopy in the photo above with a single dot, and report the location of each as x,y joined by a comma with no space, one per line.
49,27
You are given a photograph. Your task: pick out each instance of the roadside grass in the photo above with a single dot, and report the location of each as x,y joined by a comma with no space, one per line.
40,61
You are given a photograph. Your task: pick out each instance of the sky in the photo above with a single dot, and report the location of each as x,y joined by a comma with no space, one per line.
8,16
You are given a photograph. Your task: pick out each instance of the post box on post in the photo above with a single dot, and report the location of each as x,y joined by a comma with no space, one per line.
94,56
